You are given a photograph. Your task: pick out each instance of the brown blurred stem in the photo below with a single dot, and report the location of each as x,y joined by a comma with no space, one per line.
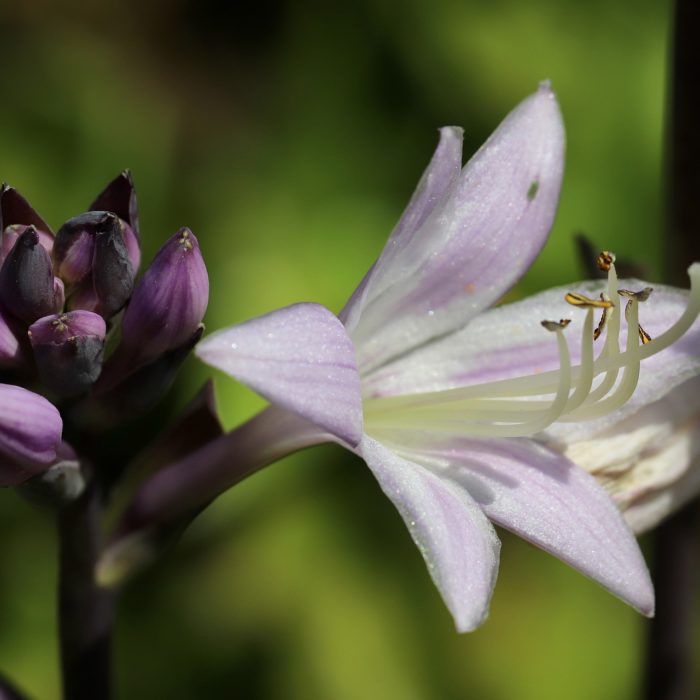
85,610
669,666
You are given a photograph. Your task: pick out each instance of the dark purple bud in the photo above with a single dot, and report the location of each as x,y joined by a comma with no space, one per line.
16,210
119,197
30,432
26,280
69,349
92,259
169,302
11,354
12,233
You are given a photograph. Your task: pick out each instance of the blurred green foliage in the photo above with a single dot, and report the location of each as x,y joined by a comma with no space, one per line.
289,135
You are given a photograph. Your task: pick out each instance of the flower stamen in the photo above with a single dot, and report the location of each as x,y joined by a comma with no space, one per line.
518,407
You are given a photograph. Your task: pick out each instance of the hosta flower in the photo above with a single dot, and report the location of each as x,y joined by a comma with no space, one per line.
452,403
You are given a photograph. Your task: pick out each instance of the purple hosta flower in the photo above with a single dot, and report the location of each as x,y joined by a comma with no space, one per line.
445,400
161,325
169,302
97,254
68,350
30,434
91,257
119,197
28,289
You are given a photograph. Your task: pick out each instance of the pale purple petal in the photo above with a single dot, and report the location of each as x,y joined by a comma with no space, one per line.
299,357
435,184
475,244
457,541
542,497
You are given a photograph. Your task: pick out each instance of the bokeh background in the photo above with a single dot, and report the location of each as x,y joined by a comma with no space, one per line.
288,134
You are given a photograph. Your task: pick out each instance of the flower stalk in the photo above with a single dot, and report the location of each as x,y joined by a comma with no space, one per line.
85,609
676,566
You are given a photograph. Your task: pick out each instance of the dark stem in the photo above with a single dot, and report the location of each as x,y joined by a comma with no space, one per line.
683,145
669,664
85,610
670,644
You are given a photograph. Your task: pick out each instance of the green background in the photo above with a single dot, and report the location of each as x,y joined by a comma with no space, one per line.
288,136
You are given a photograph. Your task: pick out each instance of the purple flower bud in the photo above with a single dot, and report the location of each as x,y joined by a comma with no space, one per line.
119,197
69,349
15,215
91,257
169,302
26,280
12,233
30,432
11,354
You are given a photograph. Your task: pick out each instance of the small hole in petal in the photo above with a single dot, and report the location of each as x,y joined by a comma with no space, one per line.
532,190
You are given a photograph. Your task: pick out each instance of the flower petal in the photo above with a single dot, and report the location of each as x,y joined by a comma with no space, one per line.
457,541
474,244
299,357
542,497
436,182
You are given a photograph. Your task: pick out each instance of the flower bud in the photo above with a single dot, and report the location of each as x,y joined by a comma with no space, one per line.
30,431
27,287
16,215
92,259
169,302
119,197
68,349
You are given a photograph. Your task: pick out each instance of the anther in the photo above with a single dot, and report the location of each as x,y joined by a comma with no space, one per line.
556,325
644,337
576,299
603,318
639,296
605,260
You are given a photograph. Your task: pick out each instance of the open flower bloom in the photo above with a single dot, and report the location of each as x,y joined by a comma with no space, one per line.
451,403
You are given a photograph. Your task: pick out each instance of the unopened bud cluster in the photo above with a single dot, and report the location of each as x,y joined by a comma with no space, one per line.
63,296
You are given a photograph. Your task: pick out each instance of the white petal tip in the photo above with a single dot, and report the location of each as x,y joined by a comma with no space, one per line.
545,88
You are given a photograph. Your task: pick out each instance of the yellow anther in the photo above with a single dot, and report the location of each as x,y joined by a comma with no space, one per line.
644,336
581,300
605,260
60,323
556,325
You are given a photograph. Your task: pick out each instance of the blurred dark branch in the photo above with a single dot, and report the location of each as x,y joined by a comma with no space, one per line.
669,665
683,145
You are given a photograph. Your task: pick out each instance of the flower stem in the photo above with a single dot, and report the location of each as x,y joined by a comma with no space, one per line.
669,663
85,610
209,471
